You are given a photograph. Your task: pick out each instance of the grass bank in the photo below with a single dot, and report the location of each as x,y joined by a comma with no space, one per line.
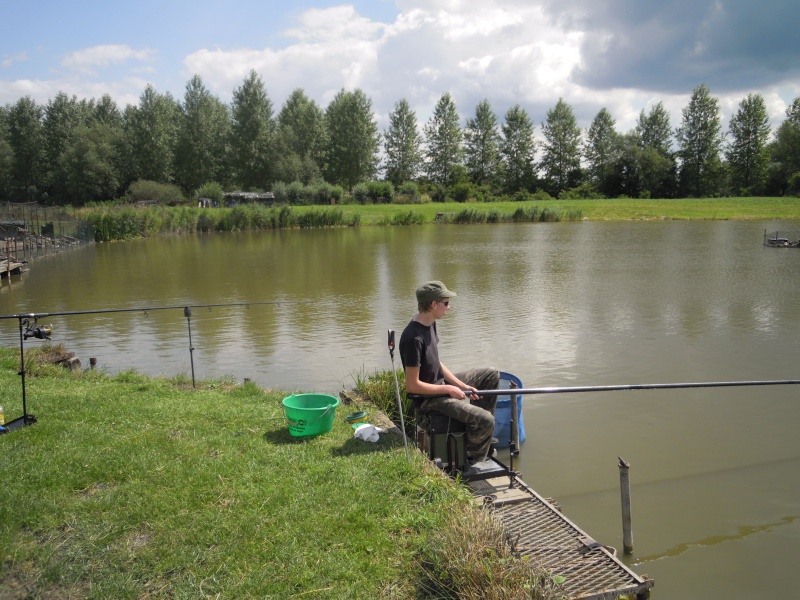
137,487
114,222
618,209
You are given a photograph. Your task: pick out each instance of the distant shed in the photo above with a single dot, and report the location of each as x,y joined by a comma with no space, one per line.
238,197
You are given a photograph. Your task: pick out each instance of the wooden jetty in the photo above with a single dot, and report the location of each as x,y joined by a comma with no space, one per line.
539,530
10,267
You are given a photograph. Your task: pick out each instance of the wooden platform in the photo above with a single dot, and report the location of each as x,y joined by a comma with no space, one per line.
15,268
538,529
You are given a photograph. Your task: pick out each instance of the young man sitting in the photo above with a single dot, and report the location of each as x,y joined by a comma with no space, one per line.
448,393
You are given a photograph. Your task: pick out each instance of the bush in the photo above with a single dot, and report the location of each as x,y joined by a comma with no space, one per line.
211,190
325,193
541,196
165,194
297,193
360,193
281,192
462,192
439,193
380,192
521,196
585,191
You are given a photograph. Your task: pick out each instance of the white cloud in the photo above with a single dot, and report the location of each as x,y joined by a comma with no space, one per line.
593,53
11,59
88,60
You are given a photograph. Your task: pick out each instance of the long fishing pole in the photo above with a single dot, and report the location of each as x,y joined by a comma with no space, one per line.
27,330
144,309
635,386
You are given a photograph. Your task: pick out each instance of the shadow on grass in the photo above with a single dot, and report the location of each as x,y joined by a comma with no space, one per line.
282,436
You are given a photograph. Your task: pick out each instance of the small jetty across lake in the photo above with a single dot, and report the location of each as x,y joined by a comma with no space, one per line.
782,239
537,529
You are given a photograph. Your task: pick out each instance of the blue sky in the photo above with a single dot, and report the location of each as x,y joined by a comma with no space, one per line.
624,55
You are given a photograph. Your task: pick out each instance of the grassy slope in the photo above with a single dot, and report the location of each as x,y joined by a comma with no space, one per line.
133,487
130,487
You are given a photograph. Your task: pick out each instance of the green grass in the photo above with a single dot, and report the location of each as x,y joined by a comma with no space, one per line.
134,487
598,210
110,223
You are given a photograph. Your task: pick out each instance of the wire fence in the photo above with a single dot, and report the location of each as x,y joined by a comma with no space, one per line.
31,230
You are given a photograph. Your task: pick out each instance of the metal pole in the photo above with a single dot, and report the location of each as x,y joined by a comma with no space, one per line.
625,493
22,373
187,311
397,391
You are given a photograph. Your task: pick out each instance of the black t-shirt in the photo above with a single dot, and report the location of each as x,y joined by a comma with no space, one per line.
418,348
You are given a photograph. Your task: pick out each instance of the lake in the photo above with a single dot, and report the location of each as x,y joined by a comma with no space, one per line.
714,471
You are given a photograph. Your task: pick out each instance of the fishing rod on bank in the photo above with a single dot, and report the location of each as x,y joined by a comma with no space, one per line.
29,328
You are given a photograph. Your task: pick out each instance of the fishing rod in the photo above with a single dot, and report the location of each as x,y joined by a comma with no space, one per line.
144,309
636,386
29,328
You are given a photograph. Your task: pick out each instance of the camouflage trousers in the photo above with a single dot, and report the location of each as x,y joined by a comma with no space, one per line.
477,413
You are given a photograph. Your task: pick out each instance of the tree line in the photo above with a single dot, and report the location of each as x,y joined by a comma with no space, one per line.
74,151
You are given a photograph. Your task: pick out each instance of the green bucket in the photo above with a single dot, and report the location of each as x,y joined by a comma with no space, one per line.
309,414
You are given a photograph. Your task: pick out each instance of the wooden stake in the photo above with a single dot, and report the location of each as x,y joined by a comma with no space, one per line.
625,493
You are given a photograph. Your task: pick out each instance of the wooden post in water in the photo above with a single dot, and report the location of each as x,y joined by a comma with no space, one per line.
625,493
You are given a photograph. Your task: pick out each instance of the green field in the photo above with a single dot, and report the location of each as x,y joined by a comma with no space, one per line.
761,209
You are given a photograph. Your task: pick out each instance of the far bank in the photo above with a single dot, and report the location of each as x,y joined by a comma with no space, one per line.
119,222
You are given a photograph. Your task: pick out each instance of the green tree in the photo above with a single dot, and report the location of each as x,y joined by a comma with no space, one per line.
747,152
659,173
402,144
517,150
785,152
601,149
107,112
26,139
252,135
6,156
657,166
151,130
202,145
300,146
561,150
62,115
625,177
443,138
353,139
86,167
654,129
700,142
482,145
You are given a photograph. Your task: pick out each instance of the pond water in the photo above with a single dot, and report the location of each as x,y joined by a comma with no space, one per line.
714,471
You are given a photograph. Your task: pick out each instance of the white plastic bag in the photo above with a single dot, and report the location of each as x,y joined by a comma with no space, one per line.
368,432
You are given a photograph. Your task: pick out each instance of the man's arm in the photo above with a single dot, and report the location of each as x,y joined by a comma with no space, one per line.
452,379
415,386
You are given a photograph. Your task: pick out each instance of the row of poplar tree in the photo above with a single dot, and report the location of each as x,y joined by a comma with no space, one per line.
73,151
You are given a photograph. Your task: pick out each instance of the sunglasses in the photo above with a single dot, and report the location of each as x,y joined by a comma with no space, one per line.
445,302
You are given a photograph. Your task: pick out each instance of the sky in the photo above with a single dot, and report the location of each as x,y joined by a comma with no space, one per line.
623,55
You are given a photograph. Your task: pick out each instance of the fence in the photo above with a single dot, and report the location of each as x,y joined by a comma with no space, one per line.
32,230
